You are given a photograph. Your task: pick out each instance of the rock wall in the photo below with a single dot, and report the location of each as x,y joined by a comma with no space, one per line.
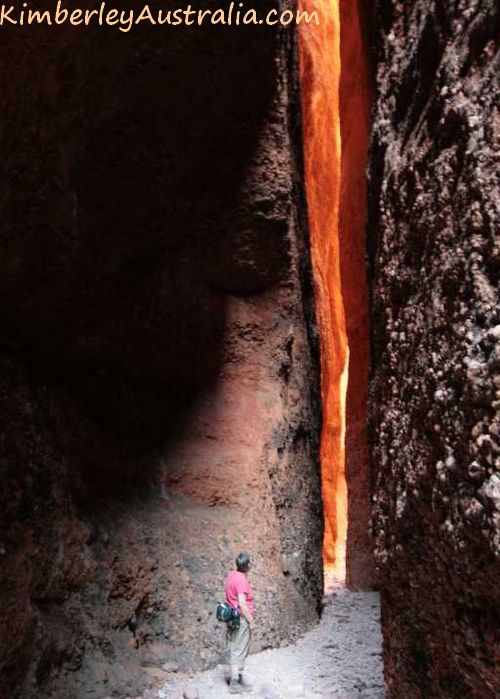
434,412
355,99
319,61
160,406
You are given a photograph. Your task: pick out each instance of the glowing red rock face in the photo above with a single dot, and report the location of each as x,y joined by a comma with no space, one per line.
320,75
355,125
335,102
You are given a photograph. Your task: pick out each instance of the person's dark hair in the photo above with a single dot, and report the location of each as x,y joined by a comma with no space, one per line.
243,562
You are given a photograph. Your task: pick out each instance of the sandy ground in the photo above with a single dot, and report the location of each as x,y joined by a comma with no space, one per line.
341,658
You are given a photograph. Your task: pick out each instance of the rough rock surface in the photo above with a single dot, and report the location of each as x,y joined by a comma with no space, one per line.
159,395
434,397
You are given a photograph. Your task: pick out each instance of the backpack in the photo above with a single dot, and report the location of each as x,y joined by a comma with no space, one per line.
228,615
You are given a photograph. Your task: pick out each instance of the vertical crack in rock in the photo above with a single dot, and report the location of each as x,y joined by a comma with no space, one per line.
355,100
334,77
320,74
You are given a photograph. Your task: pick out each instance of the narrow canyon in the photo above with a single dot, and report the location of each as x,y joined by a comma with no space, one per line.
249,301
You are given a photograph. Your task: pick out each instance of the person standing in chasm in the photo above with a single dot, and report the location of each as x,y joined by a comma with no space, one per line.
239,595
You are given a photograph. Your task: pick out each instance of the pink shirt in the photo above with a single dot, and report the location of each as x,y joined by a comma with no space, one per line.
237,584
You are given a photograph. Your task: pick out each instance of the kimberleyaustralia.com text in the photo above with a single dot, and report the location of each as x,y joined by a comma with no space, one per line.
231,14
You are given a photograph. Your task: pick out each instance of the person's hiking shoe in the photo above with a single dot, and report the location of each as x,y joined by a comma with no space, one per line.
237,688
242,683
246,687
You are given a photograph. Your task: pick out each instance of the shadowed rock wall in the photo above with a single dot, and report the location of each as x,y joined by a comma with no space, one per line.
435,317
159,398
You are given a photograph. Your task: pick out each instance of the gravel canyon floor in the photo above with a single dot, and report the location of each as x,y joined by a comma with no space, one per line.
341,658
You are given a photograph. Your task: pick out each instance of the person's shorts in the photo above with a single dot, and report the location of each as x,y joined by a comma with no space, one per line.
238,643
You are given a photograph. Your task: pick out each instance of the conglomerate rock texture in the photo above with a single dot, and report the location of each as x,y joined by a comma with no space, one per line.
159,391
434,403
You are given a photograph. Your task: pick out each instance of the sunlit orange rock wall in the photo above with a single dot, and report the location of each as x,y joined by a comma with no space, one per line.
334,78
354,120
320,74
